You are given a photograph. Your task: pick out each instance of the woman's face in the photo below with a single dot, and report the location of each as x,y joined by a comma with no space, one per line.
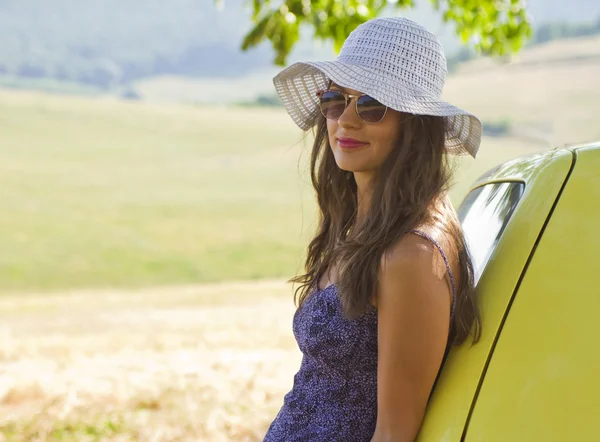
361,147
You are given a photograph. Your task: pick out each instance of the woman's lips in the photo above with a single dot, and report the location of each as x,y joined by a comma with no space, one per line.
350,143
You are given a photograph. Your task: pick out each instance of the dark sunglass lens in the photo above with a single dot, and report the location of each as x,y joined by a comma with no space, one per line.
332,104
370,110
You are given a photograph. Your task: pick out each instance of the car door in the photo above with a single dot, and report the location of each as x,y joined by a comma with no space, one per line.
503,217
542,382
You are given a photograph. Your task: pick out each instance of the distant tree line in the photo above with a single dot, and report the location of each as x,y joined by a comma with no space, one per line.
554,31
112,43
88,65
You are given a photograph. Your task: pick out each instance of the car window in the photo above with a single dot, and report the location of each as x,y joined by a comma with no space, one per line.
484,213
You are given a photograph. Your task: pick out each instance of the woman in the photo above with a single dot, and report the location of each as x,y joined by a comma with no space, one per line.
388,283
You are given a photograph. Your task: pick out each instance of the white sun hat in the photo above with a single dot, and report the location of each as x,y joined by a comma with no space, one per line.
394,60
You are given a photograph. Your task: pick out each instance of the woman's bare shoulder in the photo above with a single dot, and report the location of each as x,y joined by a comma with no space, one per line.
415,259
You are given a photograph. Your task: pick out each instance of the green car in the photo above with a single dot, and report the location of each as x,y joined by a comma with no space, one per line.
533,227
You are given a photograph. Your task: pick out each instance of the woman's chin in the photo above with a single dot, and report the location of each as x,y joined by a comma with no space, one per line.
344,165
353,167
349,164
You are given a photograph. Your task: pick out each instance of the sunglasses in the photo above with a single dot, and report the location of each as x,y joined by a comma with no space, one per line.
334,103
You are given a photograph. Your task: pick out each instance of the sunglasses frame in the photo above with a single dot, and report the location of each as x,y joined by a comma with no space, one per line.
348,98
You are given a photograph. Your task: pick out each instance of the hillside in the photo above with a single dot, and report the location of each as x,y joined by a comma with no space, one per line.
549,94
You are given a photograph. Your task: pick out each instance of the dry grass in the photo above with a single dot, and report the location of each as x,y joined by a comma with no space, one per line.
208,363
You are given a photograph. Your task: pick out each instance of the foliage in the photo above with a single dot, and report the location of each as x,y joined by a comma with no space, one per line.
465,53
263,101
496,27
496,128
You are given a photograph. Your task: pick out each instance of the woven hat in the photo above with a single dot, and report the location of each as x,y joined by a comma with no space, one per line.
394,60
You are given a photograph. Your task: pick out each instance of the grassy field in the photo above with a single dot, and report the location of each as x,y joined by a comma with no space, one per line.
99,193
120,196
111,213
104,193
91,366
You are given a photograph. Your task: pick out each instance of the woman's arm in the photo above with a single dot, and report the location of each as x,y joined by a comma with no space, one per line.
413,301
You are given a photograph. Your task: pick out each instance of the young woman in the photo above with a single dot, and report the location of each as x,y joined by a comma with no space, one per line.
388,285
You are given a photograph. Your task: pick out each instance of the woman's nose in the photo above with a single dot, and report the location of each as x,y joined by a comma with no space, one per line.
349,118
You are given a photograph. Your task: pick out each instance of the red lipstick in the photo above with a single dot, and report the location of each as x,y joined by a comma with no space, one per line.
350,143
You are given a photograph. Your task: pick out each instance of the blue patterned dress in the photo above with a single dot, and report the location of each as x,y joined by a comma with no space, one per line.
334,396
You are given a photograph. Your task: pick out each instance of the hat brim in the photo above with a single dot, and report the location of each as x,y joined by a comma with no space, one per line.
297,87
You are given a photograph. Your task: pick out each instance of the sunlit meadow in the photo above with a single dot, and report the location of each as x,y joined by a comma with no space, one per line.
145,249
160,210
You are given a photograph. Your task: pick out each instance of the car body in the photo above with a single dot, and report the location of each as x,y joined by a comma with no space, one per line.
533,228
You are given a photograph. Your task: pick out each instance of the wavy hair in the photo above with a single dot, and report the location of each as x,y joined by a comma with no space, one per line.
409,191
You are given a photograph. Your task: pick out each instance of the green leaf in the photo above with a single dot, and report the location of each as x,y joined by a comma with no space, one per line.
256,34
500,26
465,34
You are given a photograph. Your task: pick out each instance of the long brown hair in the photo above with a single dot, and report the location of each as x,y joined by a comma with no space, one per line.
409,191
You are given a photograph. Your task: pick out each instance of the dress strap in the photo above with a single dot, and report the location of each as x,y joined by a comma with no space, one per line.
435,243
